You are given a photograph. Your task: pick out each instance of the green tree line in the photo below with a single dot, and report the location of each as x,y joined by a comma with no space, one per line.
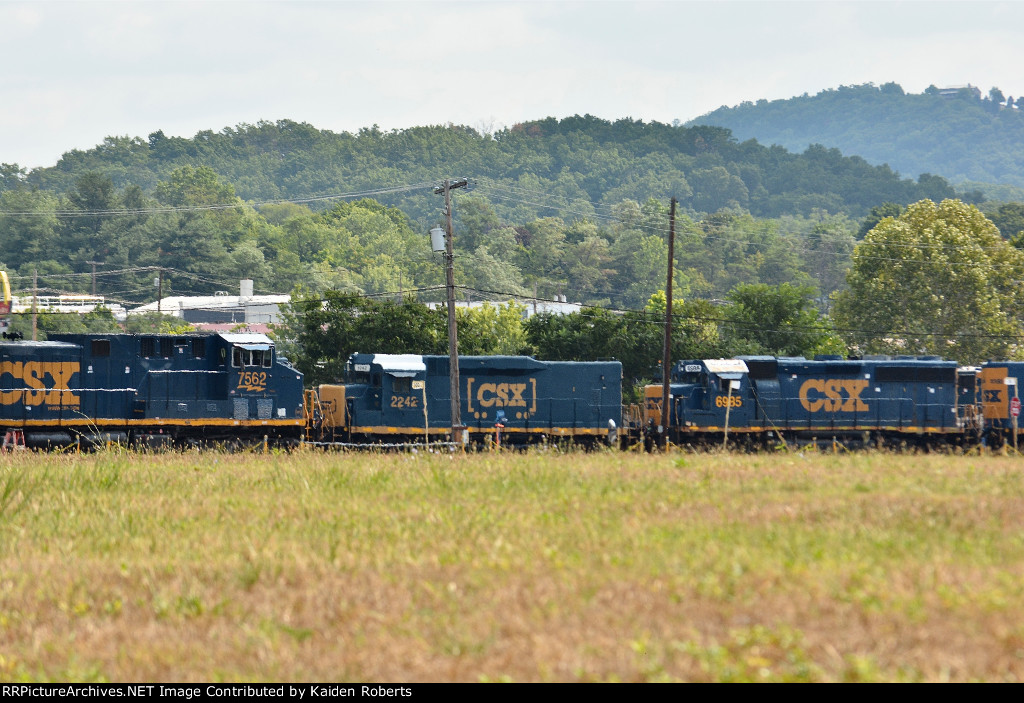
581,162
205,238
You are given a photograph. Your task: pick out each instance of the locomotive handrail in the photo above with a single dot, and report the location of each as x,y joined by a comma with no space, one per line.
312,410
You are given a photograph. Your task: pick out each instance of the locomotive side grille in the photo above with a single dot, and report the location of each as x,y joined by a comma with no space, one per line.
264,408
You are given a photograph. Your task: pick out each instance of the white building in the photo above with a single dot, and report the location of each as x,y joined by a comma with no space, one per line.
221,308
533,306
69,303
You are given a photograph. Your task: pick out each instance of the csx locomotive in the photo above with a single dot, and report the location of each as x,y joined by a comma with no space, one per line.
405,397
148,389
875,401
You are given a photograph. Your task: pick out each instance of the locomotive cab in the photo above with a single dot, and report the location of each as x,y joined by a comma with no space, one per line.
705,396
377,397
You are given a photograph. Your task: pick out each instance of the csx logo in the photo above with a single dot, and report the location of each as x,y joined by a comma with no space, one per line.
831,394
37,391
502,395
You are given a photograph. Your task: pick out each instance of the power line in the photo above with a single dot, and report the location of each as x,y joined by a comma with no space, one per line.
214,206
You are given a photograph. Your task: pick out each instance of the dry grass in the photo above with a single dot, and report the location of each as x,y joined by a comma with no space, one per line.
537,567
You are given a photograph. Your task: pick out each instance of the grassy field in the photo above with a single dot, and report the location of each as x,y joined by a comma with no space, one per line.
511,567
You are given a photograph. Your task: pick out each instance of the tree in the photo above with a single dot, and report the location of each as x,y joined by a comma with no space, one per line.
779,320
100,320
95,197
639,258
195,186
1010,220
32,235
476,217
938,279
157,323
589,267
492,329
321,331
578,336
488,273
877,214
12,177
540,259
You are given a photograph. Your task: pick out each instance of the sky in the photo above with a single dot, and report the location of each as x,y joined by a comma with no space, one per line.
75,72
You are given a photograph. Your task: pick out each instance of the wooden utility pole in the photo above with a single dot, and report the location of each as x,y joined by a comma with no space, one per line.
666,359
35,310
453,341
94,264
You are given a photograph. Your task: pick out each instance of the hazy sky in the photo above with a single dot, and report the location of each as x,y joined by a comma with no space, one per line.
72,73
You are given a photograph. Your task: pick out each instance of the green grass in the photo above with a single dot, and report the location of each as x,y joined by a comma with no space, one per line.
522,567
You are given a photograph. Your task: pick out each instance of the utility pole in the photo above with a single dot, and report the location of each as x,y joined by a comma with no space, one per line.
94,264
666,415
35,311
453,342
159,290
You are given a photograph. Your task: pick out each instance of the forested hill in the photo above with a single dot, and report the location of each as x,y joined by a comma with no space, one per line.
581,163
959,134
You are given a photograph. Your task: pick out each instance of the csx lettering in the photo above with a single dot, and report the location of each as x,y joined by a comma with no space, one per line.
37,392
502,395
831,394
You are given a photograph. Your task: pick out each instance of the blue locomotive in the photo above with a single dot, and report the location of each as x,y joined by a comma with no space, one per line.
397,398
757,401
148,389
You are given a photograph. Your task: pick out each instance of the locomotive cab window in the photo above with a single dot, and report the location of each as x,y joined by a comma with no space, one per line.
724,383
101,347
401,385
252,355
359,373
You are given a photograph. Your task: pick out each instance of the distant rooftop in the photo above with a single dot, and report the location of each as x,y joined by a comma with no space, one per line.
533,306
221,308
